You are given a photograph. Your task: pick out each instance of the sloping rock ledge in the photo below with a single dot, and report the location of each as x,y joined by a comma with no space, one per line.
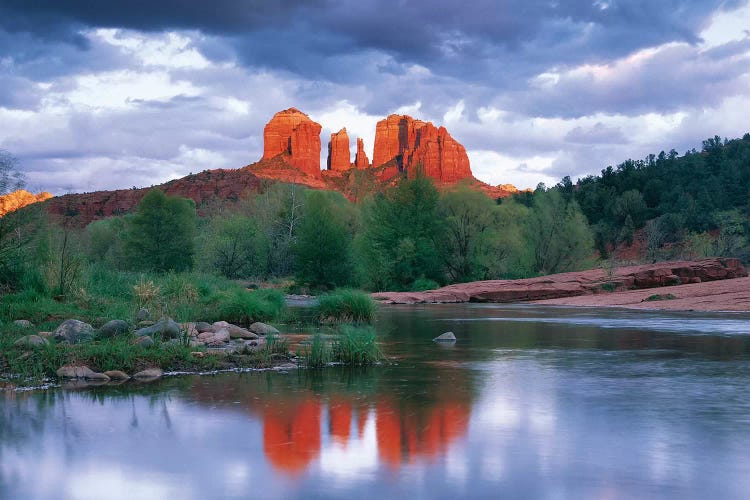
575,284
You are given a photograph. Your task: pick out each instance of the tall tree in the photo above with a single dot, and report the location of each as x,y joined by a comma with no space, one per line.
400,236
323,249
160,234
558,233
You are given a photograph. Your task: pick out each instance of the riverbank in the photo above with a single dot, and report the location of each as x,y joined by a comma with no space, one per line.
708,284
726,295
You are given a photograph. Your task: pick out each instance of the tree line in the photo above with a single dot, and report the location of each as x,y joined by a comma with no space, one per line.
408,237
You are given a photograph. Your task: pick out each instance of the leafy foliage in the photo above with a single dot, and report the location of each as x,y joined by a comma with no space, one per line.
160,236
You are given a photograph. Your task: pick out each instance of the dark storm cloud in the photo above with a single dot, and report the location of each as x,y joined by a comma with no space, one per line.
476,40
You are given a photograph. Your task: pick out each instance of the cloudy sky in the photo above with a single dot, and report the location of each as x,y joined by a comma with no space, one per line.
104,95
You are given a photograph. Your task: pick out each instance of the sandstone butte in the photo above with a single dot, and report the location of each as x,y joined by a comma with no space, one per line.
291,153
582,284
291,132
414,142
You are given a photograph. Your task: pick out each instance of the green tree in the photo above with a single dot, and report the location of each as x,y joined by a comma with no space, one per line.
469,217
233,245
323,249
103,241
401,233
558,233
160,236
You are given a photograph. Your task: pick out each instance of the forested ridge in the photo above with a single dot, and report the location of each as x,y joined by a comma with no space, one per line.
695,204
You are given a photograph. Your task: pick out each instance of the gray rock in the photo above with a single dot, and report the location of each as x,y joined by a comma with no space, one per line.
262,329
74,331
143,315
32,341
167,328
69,371
214,339
148,374
114,328
202,326
117,375
235,331
23,323
446,337
145,341
145,323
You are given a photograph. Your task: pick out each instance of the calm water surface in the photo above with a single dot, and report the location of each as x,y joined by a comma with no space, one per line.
530,402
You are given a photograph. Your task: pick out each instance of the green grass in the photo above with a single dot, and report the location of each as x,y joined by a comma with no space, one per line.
346,306
105,294
319,353
356,346
350,346
243,307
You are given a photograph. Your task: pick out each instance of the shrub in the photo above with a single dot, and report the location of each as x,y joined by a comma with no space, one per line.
346,306
242,307
422,284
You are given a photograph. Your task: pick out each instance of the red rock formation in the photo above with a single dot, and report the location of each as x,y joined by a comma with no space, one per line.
576,283
19,199
221,185
338,151
292,132
414,142
441,157
361,160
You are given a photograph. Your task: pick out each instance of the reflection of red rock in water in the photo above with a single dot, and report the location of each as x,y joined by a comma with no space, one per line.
403,437
340,419
291,436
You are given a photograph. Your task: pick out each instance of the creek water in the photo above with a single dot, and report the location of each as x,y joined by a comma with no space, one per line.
530,402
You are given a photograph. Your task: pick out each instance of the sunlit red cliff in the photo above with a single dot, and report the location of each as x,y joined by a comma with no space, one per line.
404,147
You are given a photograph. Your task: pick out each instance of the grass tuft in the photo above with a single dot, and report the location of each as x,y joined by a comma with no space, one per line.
346,306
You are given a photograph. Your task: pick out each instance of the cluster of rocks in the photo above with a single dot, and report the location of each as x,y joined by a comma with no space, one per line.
220,339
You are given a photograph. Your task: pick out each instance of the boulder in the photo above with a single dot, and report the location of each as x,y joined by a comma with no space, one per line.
114,328
361,160
23,323
144,341
235,331
338,151
446,337
167,328
143,315
70,371
117,375
31,341
202,326
292,132
215,339
149,374
262,328
74,331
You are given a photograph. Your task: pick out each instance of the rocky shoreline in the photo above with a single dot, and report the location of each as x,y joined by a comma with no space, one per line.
583,286
204,348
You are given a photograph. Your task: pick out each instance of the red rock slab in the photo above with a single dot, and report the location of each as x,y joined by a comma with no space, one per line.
573,284
724,295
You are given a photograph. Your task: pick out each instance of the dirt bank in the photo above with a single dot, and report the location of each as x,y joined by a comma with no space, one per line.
591,285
